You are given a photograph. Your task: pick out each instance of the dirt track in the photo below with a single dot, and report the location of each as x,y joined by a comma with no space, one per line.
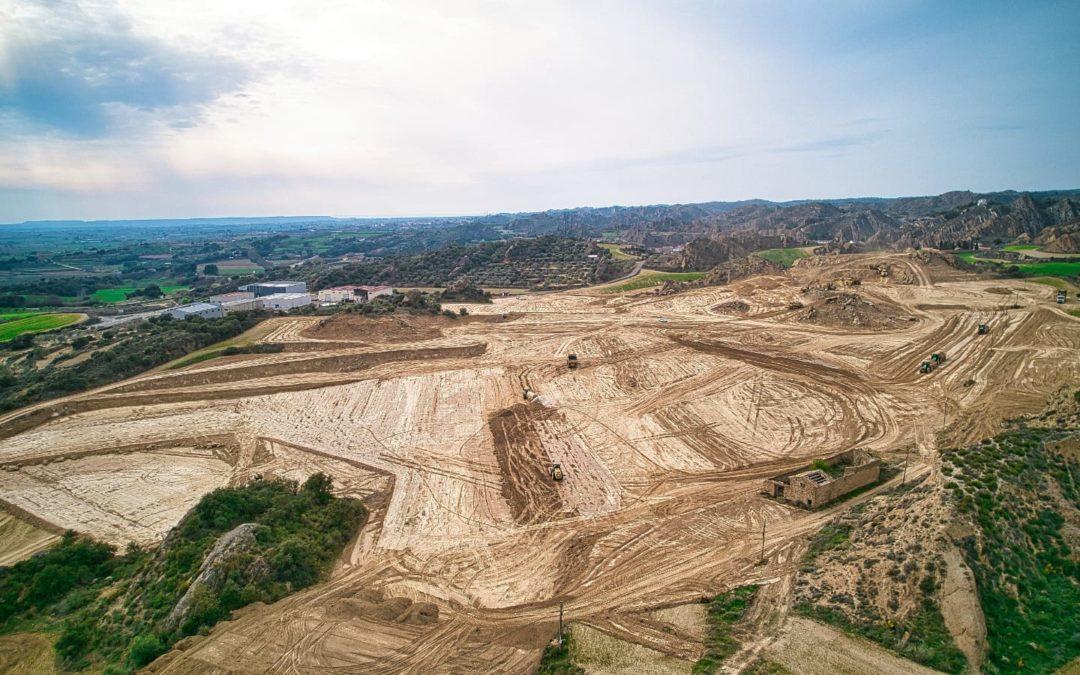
664,432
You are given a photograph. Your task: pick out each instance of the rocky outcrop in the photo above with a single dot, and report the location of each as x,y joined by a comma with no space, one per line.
213,571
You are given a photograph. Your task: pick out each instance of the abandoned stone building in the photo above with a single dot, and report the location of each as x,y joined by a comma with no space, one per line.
826,480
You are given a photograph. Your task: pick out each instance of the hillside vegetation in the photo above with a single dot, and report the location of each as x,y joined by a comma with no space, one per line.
240,545
1018,492
114,354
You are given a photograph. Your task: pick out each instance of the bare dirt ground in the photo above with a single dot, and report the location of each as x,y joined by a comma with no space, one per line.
20,540
665,432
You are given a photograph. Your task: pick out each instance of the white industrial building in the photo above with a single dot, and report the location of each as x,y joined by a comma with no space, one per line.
284,301
205,310
356,294
265,288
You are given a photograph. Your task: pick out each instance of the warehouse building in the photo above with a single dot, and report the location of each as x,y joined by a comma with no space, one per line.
205,310
356,294
284,301
265,288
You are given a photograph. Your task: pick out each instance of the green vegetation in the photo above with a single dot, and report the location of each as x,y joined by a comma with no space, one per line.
121,293
116,354
648,279
922,637
1047,269
834,536
35,323
783,256
116,612
1018,490
226,348
541,263
617,252
558,660
11,316
1051,269
1020,247
725,611
833,470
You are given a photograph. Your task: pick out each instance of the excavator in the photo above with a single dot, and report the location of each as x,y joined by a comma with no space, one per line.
556,472
926,367
984,329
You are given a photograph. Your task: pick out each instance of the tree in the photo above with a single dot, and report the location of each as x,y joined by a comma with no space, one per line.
210,270
319,484
153,291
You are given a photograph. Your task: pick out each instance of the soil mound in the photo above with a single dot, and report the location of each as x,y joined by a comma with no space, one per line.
359,328
851,310
732,307
374,605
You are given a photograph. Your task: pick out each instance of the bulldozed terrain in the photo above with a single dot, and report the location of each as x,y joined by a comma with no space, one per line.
681,405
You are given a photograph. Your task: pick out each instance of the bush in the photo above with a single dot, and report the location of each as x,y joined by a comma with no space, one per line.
144,649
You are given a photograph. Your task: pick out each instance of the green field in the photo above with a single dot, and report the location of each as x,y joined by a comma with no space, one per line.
648,279
36,324
617,253
11,316
783,256
1020,247
1050,269
119,293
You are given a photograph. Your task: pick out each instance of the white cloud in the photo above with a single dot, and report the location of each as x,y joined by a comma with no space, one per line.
397,107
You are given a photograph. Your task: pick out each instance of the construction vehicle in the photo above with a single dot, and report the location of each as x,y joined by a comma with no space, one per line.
983,329
571,361
1061,297
926,367
937,358
556,472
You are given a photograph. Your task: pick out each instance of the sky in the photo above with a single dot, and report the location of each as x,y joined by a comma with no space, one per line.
114,109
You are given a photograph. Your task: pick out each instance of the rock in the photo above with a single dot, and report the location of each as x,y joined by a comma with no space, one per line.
211,576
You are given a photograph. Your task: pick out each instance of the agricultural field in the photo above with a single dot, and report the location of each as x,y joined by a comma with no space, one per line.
120,293
235,268
785,257
36,323
617,252
650,278
682,405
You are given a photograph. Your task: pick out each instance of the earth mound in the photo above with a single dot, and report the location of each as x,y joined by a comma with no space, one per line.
852,310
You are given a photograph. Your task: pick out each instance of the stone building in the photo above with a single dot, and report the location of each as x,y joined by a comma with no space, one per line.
825,481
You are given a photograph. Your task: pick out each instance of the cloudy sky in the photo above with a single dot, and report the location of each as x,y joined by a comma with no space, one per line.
155,108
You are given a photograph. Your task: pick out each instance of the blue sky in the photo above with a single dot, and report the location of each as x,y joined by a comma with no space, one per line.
139,108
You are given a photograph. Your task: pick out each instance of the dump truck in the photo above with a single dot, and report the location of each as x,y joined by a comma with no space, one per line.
1061,297
937,358
983,329
926,367
571,361
556,472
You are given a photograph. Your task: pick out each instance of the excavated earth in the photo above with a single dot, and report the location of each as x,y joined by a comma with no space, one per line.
679,409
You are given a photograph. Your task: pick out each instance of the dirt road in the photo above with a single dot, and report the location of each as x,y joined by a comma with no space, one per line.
664,433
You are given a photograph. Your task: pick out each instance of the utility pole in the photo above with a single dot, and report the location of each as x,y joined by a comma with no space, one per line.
763,520
560,624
